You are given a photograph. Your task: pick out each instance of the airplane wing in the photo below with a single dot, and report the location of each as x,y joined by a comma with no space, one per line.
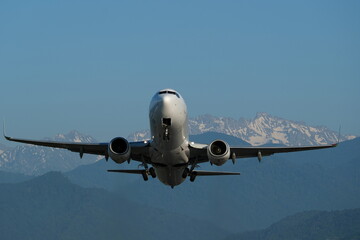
199,151
246,152
138,149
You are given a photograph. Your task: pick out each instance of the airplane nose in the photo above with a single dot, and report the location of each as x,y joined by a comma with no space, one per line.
165,104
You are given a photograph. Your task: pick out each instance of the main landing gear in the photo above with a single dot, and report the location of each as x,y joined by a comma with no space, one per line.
152,172
190,172
192,176
147,172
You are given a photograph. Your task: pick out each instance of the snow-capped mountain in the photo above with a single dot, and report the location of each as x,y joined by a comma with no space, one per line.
35,160
263,129
3,148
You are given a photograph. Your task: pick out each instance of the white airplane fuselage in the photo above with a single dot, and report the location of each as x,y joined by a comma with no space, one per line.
170,136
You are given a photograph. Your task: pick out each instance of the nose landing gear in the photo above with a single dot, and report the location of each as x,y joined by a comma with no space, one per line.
145,176
190,172
147,171
186,172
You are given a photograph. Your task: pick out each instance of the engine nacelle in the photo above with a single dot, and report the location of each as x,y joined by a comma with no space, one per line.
218,152
119,150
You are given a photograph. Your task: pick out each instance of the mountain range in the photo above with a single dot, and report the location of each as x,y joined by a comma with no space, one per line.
310,225
264,193
51,207
263,129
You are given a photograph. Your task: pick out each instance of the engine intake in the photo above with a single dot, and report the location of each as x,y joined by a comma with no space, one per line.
119,150
218,152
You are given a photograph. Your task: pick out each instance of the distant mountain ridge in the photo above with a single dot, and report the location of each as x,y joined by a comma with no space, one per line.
263,129
264,193
310,225
51,207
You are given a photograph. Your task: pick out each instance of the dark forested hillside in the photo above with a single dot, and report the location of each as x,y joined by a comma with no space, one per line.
7,177
310,225
264,193
279,186
51,207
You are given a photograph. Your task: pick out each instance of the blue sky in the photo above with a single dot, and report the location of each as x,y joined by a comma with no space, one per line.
94,65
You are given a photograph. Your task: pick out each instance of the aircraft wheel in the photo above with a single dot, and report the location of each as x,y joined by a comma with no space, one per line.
152,172
185,173
192,177
145,176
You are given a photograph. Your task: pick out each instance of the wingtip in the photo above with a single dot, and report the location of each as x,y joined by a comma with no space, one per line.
339,135
4,131
4,134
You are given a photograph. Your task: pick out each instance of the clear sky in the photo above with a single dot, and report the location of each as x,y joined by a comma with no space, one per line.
94,65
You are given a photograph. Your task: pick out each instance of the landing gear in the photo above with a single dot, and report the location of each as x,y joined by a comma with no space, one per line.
148,171
192,177
145,176
152,172
186,173
190,172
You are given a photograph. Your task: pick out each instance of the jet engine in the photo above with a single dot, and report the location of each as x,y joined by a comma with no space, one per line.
119,150
218,152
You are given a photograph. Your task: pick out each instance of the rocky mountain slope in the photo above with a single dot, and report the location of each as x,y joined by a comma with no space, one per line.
263,129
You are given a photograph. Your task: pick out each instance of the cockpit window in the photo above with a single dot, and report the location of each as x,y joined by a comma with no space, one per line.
169,92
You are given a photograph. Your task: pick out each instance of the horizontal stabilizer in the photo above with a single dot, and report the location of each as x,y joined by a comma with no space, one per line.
133,171
213,173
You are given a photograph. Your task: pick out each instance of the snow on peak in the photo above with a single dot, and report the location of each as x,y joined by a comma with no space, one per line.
265,128
262,129
74,136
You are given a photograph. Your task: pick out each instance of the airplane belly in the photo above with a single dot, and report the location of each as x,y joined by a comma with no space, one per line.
177,156
170,166
171,176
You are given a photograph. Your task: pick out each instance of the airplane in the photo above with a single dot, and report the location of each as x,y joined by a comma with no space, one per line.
169,153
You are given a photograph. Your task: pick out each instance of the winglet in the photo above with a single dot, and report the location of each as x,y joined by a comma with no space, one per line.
4,131
338,139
